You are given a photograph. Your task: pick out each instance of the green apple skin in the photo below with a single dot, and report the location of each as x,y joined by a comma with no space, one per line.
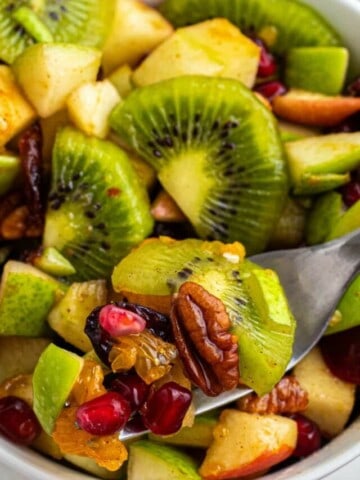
52,262
347,314
26,297
317,69
9,170
347,223
325,213
54,377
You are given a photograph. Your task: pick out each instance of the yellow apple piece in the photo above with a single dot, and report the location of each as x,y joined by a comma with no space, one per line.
49,72
90,105
16,113
331,400
246,444
137,29
121,79
214,47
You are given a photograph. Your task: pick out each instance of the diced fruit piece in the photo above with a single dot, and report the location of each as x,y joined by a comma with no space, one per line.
45,444
52,262
317,69
292,131
90,105
318,164
136,30
105,210
289,230
309,436
54,377
68,317
314,109
55,69
164,209
131,387
202,49
197,436
9,170
26,297
246,444
16,113
19,355
49,129
270,90
287,19
118,321
90,466
18,422
351,192
324,215
121,79
267,63
341,353
347,314
330,399
149,460
347,223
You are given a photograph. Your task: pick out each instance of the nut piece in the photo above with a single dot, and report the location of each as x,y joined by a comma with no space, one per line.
201,330
286,397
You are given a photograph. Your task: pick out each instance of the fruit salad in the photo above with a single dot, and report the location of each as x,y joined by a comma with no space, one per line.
145,155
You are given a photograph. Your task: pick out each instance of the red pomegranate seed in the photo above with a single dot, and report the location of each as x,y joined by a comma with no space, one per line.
341,353
18,422
131,387
118,321
165,408
267,63
270,90
309,436
351,193
103,415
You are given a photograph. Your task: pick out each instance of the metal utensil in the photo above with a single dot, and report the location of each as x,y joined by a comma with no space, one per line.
314,279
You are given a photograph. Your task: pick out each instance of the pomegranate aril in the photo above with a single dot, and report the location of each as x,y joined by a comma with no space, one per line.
341,353
270,90
118,321
101,340
104,415
309,436
18,422
267,64
165,408
131,387
351,193
156,322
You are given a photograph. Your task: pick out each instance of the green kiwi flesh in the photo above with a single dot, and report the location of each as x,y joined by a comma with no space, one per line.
255,302
84,22
98,209
294,23
217,152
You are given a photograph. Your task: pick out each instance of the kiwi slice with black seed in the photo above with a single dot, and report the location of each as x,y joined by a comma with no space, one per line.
254,300
291,22
84,22
97,207
217,152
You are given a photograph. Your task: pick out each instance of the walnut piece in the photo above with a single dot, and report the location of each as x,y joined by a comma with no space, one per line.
286,397
207,349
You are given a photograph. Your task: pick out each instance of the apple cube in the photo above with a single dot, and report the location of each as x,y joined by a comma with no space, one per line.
246,444
121,79
16,113
214,47
136,31
90,105
331,400
55,70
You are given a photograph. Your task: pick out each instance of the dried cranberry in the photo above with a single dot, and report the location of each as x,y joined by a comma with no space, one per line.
309,436
354,88
341,353
270,90
156,322
267,64
101,340
104,415
131,387
135,424
18,422
351,193
118,321
165,408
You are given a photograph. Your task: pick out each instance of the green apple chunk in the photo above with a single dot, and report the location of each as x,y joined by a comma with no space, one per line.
9,170
89,465
322,163
55,70
347,314
54,377
289,230
68,317
215,48
349,222
292,131
19,355
26,297
149,460
52,262
317,69
325,213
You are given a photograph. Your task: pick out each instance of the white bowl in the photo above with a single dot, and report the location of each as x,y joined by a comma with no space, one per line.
345,16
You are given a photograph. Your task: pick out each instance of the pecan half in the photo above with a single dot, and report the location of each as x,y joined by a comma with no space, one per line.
208,350
286,397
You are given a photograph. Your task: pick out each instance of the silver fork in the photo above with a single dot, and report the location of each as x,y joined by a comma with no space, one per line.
314,279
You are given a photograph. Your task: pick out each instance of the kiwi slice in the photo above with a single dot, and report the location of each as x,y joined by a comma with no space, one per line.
84,22
253,297
289,20
217,152
98,209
